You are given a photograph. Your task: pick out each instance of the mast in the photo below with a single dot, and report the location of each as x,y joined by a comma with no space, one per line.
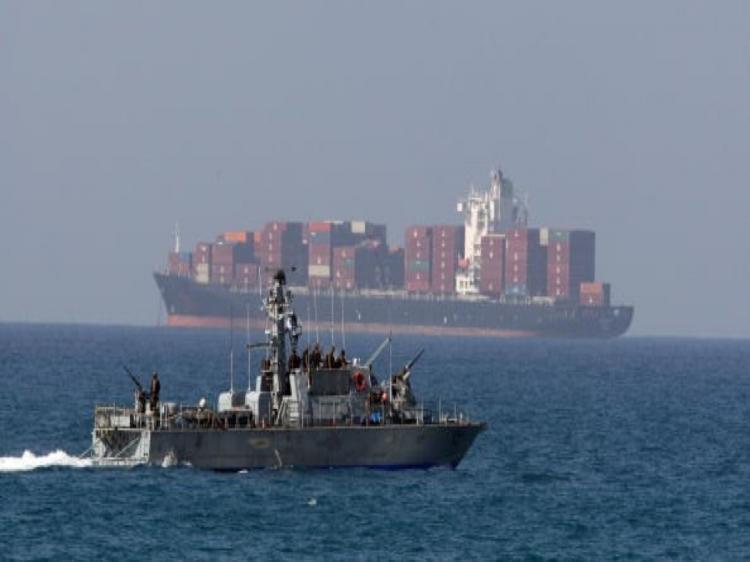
283,323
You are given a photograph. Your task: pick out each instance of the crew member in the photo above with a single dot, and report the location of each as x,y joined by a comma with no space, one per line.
306,360
316,357
294,360
342,359
331,358
141,399
155,388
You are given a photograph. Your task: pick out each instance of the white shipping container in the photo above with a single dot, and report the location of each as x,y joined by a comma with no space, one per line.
544,236
202,273
319,271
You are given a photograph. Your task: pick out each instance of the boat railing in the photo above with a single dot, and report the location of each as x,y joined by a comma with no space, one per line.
432,413
178,417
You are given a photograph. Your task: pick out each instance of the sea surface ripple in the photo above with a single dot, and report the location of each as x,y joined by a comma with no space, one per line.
633,449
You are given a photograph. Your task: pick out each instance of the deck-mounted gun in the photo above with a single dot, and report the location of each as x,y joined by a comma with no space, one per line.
136,382
406,371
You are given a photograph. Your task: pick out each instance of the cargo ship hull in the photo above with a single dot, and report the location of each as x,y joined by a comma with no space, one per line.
190,304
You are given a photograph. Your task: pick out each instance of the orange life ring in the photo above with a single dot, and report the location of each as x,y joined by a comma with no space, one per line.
359,381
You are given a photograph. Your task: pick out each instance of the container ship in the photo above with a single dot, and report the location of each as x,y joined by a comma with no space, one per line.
491,276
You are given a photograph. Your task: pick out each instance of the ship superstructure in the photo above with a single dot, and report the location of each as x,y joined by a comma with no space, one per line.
487,212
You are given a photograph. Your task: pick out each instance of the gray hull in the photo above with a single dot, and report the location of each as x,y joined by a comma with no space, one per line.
386,447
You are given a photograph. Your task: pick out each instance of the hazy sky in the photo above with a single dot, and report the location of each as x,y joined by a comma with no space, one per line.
118,119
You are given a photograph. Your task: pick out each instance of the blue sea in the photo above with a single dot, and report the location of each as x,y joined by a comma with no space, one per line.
633,449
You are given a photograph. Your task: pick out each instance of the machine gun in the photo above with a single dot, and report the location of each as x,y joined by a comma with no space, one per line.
406,371
135,380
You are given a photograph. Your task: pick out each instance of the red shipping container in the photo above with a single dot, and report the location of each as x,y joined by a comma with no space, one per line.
525,268
238,236
446,249
491,265
418,244
222,274
319,226
570,262
595,294
418,231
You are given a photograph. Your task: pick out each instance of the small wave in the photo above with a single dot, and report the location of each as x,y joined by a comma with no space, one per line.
30,461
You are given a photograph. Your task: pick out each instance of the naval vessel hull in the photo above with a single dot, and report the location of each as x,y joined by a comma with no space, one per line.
383,447
190,304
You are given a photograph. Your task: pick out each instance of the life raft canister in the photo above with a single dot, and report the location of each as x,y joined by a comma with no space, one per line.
359,381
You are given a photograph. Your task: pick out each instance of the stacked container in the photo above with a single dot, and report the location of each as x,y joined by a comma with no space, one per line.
418,259
237,236
525,263
246,275
324,237
320,254
491,265
180,264
362,230
570,262
280,246
447,249
202,263
393,272
376,268
344,273
595,294
224,256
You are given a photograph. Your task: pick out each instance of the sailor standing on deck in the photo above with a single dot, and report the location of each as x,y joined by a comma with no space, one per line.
155,388
331,358
294,361
315,357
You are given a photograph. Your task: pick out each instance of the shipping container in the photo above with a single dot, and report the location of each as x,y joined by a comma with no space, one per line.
446,250
491,265
202,253
595,294
525,268
281,246
180,264
238,236
570,262
228,253
344,258
202,273
246,276
418,258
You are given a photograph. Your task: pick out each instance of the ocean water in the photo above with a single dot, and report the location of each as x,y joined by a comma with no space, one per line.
634,449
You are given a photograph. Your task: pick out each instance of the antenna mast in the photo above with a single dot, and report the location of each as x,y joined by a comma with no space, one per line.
176,238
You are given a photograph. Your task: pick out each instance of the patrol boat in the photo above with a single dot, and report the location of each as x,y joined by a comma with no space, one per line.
297,415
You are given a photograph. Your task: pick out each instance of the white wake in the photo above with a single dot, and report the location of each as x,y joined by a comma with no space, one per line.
30,461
